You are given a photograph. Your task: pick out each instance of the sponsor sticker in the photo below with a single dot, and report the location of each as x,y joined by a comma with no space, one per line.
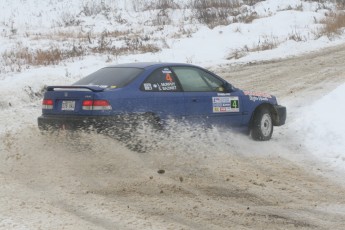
257,94
223,94
216,109
225,104
147,86
164,86
168,86
221,99
255,98
166,71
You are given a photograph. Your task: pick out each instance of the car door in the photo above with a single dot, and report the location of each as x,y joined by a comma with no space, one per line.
161,94
206,99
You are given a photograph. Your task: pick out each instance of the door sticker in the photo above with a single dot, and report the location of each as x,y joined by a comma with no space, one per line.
225,104
168,77
257,96
161,80
166,71
234,104
147,86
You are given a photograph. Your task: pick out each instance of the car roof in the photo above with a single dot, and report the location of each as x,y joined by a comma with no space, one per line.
148,64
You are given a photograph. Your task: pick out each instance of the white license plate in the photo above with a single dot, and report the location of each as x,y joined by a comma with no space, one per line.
68,105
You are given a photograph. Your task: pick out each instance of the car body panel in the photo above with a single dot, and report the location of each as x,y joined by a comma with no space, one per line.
227,106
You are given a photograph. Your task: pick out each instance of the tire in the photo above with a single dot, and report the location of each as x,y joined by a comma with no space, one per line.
262,126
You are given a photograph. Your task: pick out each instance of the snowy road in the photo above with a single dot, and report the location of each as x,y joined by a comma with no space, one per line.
211,181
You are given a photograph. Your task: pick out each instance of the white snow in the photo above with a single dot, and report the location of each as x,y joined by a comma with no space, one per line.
322,127
32,23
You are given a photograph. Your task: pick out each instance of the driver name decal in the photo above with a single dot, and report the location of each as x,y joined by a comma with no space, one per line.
257,94
225,104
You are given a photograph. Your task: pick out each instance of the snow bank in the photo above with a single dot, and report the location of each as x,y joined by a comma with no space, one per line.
323,126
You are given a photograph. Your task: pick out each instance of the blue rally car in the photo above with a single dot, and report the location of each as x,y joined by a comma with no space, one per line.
116,95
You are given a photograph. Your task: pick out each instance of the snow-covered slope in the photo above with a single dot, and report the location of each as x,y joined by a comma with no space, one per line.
110,29
321,127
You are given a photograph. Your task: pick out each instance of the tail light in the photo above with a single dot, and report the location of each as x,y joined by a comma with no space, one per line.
96,105
47,104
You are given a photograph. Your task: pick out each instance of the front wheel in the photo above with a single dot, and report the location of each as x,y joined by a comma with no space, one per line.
262,128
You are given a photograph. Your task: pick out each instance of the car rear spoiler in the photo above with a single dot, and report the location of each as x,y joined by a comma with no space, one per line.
93,88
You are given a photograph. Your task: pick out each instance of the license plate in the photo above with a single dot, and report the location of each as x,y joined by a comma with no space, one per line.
68,105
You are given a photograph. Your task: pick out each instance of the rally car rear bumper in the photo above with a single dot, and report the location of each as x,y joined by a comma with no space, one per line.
98,123
95,123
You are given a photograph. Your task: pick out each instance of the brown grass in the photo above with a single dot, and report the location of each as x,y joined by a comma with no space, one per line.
295,36
139,6
333,25
265,43
341,4
83,43
215,12
206,4
238,53
251,2
46,57
246,18
52,56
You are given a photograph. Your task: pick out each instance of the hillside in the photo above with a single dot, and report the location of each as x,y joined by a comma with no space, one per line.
199,32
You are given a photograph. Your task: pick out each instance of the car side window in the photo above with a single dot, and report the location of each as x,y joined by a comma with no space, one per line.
197,80
161,80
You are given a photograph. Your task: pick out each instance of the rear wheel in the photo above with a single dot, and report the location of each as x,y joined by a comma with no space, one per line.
262,128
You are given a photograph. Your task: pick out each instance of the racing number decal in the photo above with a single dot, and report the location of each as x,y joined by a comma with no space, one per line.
169,84
168,77
234,104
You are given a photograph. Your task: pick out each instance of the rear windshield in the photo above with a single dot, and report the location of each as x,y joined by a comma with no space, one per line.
111,77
